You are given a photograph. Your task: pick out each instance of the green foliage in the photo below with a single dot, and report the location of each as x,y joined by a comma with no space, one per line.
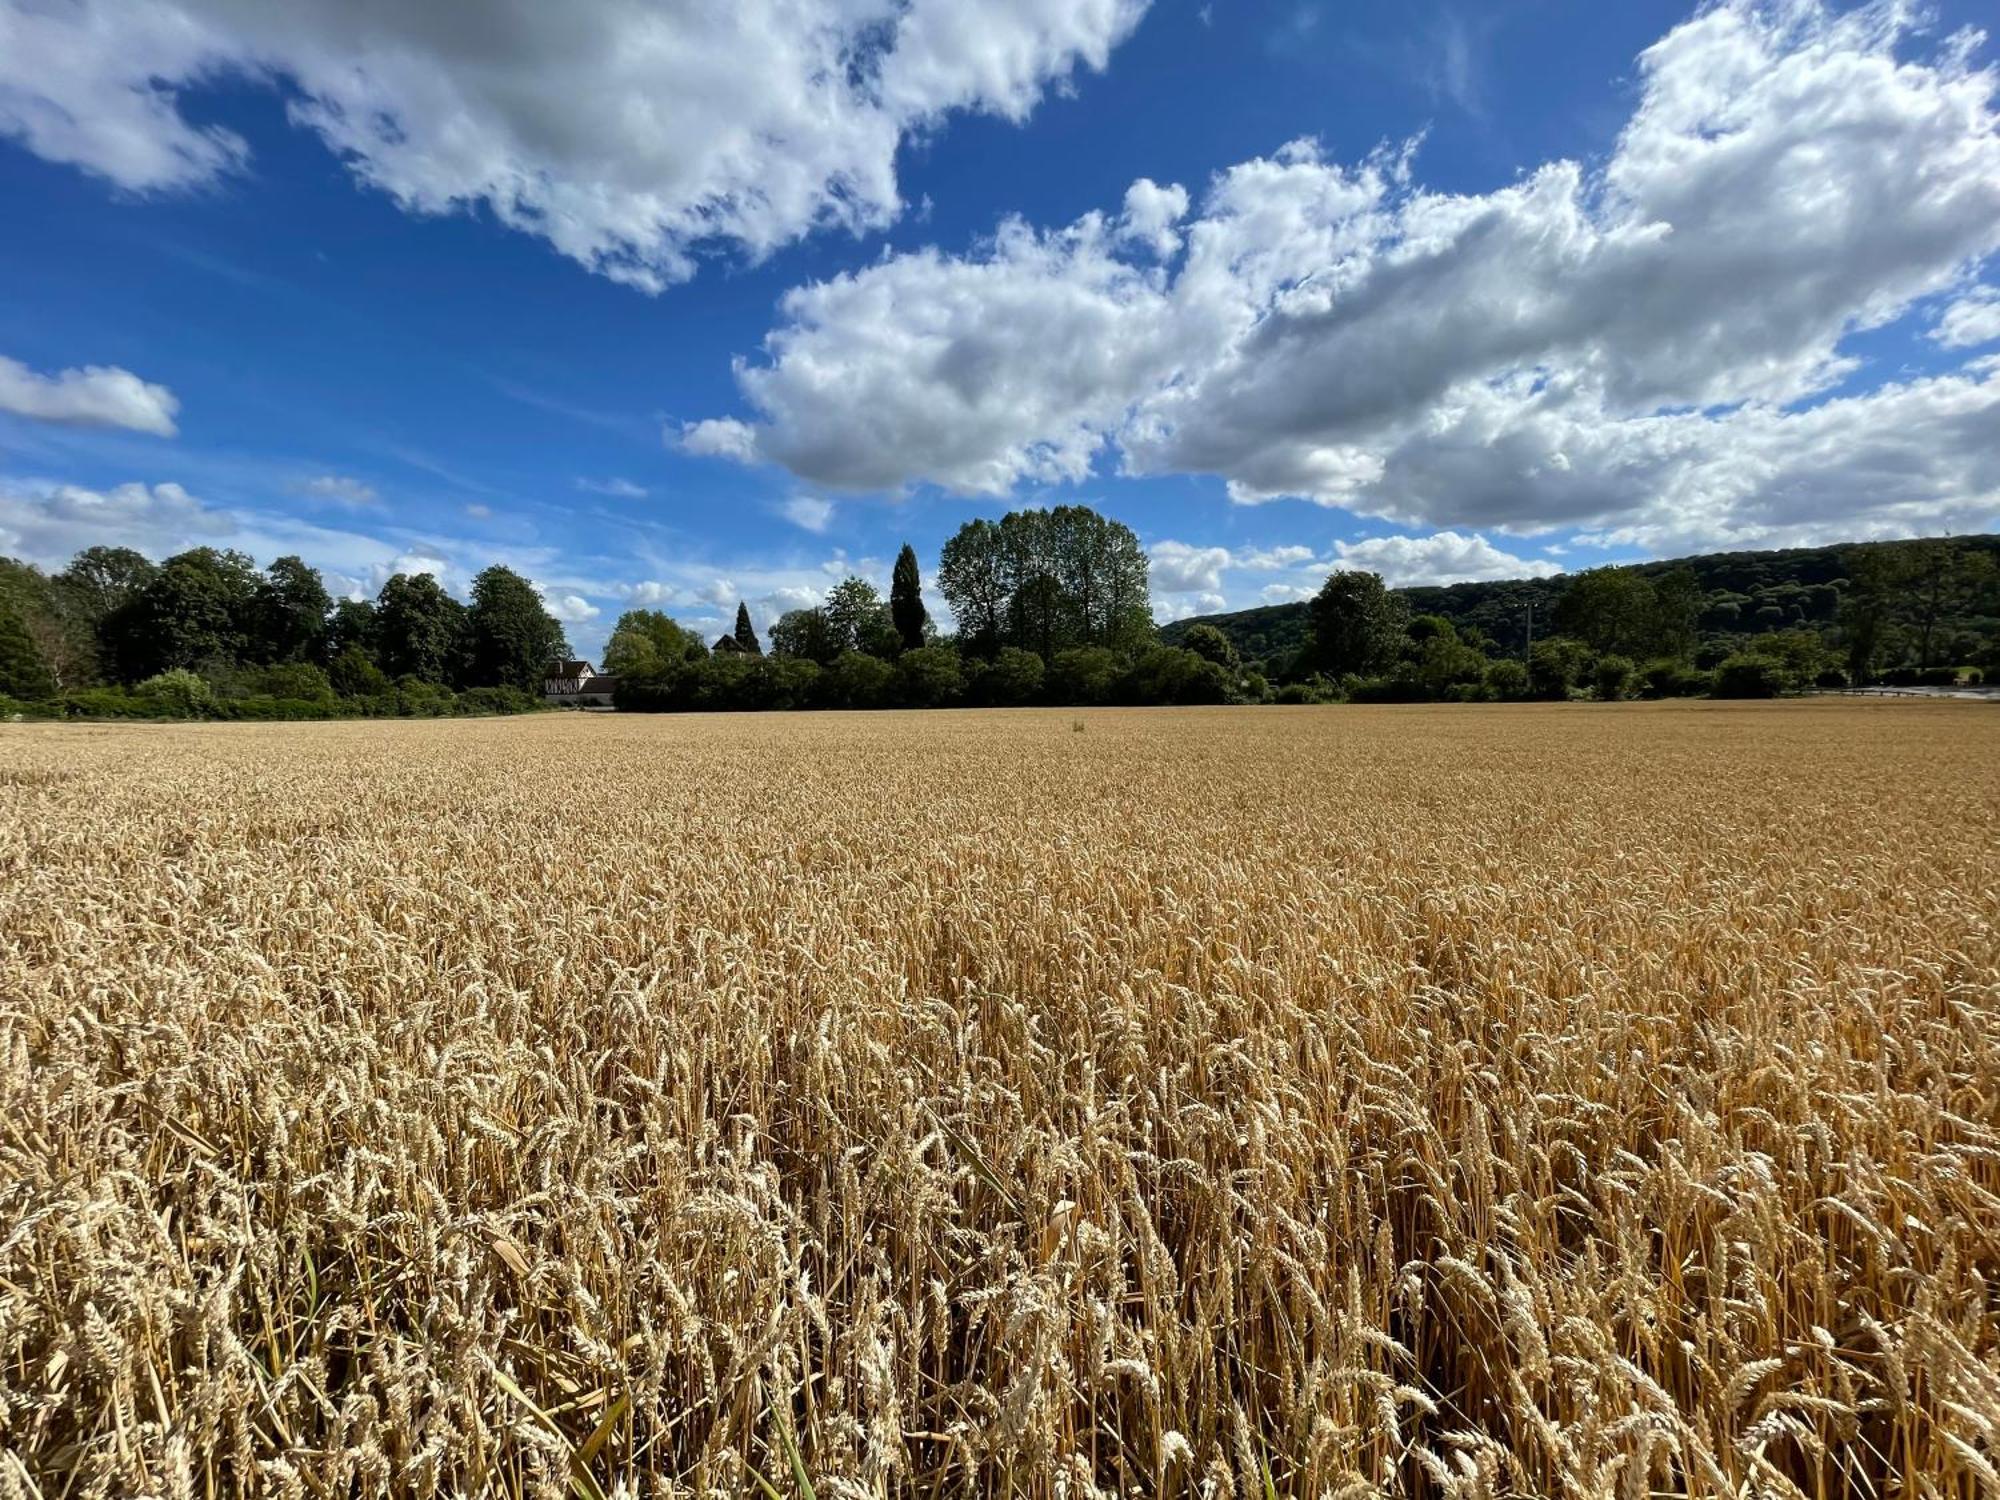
1556,666
511,637
1357,624
647,642
290,607
858,680
906,600
1666,677
353,675
805,634
929,677
1082,675
1047,581
745,634
1211,644
23,674
1747,676
1173,674
1614,677
420,630
1507,679
1013,677
180,693
198,606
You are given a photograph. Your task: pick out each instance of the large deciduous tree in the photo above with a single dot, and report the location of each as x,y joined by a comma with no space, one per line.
420,630
512,637
292,607
1357,625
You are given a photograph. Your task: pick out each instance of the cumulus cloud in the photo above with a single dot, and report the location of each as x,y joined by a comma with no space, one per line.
94,396
47,523
1645,349
1443,557
1178,568
570,609
627,134
808,512
1970,320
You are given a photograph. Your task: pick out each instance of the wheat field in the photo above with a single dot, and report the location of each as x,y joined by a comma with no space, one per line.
1570,1101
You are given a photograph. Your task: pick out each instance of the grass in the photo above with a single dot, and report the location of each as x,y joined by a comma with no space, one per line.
1543,1101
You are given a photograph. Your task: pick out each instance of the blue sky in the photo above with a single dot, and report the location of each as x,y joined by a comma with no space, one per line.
671,306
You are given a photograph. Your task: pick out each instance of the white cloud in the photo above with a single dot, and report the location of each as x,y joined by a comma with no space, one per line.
627,134
1179,568
808,512
1151,212
615,487
1180,606
94,396
339,489
1443,557
48,523
570,609
718,437
1635,349
1971,320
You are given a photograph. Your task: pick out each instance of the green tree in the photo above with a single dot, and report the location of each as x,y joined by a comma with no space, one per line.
1610,610
1614,677
858,680
973,576
196,609
1678,602
292,605
354,674
512,636
23,674
806,634
648,642
352,624
1013,677
1211,644
853,609
100,579
745,634
906,599
1083,674
1357,625
1557,665
62,638
929,677
420,630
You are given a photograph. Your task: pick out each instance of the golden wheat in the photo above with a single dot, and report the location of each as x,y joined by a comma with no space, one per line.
1573,1101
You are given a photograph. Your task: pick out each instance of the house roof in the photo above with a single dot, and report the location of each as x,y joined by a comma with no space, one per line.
599,682
571,669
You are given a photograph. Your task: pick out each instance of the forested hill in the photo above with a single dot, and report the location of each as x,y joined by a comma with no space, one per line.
1748,594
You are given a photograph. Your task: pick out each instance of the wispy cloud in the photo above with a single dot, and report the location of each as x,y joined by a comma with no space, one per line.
617,488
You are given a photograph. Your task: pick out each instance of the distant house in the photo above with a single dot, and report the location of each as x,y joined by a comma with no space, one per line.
577,684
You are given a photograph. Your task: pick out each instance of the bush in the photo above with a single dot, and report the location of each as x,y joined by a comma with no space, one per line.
353,675
262,706
858,680
1082,674
1507,679
1668,677
1556,666
1613,677
930,676
417,699
1311,690
1831,677
180,693
1013,677
497,700
300,680
1172,674
1938,677
1745,676
112,703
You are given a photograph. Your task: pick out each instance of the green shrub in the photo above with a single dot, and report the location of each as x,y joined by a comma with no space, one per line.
1613,677
1082,674
497,700
1746,676
1507,679
929,677
180,693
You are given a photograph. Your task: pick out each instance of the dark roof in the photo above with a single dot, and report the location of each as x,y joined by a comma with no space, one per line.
599,682
570,669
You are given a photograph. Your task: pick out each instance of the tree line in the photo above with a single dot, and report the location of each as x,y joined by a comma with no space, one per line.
1924,611
208,634
1051,607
